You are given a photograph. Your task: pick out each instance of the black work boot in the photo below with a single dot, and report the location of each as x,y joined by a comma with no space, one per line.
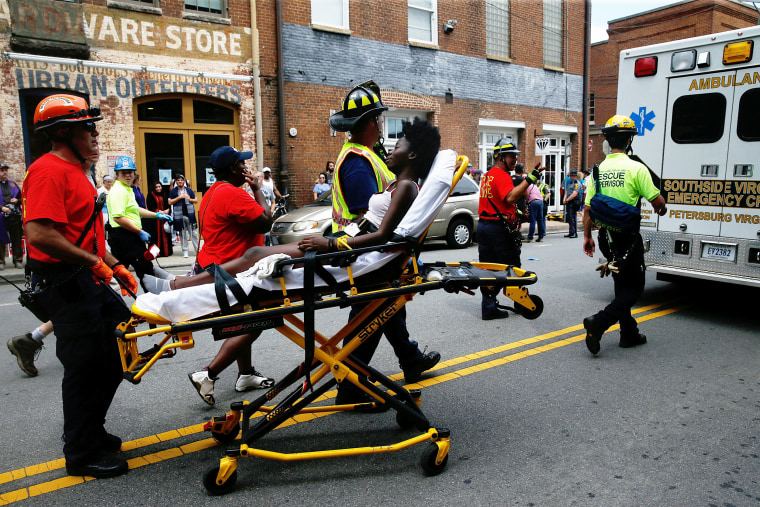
594,332
26,349
414,370
632,340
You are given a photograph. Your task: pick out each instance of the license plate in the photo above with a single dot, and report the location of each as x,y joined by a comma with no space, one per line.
719,252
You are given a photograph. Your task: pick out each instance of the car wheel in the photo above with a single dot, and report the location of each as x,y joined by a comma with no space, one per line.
459,233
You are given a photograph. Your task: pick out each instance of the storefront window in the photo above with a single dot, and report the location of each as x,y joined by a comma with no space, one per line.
169,110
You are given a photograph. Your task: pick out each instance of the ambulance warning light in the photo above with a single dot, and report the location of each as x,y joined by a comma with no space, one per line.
683,60
737,52
645,66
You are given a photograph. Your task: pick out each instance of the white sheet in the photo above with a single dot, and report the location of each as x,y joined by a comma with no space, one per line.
193,302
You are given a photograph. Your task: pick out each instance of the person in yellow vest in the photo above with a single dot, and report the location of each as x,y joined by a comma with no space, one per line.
625,181
360,172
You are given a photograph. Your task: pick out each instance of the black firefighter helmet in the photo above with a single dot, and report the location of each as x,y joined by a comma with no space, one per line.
363,100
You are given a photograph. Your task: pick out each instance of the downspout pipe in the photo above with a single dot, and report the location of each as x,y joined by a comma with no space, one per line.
256,77
281,103
586,57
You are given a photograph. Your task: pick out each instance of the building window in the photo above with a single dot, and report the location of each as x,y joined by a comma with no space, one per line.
215,7
149,3
423,20
591,109
553,33
487,139
497,28
332,13
392,125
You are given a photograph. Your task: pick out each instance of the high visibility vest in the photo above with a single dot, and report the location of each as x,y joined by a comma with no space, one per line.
544,189
341,216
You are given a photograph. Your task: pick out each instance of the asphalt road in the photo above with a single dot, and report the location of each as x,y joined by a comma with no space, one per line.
534,418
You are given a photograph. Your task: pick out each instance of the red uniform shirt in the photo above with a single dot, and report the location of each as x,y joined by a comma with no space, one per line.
494,188
60,191
224,209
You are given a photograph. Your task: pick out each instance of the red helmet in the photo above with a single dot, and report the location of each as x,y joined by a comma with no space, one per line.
63,108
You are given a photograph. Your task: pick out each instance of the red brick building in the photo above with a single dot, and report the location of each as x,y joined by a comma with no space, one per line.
177,78
680,20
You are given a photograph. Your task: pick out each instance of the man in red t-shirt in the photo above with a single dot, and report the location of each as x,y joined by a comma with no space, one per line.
231,221
71,269
499,227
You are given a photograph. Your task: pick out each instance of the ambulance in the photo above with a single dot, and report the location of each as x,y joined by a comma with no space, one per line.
696,104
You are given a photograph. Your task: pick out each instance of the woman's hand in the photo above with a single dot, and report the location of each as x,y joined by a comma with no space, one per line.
318,243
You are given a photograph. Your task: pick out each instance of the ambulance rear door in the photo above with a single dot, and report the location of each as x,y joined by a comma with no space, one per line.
743,167
696,149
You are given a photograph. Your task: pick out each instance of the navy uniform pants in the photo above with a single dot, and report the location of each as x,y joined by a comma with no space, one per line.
84,315
629,283
495,244
395,331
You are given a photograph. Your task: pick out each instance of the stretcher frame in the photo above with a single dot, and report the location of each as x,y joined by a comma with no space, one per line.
326,362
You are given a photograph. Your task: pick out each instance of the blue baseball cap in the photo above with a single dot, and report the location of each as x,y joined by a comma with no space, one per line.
227,155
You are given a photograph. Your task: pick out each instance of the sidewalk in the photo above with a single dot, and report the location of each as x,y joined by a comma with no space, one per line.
16,275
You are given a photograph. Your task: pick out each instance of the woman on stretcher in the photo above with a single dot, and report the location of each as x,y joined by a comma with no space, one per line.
410,160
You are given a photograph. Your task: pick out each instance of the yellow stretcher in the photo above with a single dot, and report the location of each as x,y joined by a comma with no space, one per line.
327,361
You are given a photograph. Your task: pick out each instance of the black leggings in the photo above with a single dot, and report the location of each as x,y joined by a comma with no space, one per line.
129,249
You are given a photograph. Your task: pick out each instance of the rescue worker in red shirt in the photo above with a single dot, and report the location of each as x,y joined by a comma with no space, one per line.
231,222
499,226
71,268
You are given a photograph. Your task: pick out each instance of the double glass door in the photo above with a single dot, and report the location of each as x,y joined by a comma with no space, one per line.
177,134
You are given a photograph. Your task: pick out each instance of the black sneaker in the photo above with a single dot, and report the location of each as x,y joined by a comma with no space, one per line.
632,341
413,372
593,334
101,467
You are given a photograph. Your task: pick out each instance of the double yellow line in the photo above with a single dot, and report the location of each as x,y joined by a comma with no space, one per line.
148,459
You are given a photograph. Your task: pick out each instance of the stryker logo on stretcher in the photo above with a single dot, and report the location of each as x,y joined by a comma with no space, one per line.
377,323
725,81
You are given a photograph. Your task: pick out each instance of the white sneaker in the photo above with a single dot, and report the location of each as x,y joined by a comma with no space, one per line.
185,255
254,381
204,385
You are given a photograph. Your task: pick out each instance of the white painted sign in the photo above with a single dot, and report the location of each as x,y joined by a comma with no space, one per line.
542,146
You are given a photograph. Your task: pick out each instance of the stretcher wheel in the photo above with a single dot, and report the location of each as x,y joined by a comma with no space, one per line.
427,461
209,482
531,314
226,438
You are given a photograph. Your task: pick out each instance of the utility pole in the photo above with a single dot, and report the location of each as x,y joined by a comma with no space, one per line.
586,56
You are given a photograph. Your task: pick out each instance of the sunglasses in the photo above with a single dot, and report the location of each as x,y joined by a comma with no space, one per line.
89,126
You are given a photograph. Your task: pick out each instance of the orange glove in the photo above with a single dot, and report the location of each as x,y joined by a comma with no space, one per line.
102,271
123,274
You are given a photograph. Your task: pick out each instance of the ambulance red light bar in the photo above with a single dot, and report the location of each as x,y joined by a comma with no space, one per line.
645,66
